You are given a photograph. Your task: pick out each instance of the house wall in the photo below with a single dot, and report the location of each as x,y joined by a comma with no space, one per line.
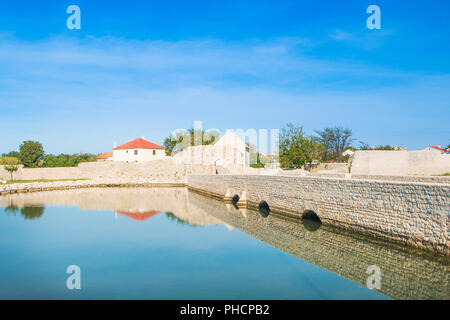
423,162
229,152
143,155
223,156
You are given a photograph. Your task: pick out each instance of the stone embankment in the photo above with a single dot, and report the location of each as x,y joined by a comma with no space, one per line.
66,185
413,213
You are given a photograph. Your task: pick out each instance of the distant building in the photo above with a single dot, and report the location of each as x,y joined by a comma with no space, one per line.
437,149
107,156
139,150
229,151
349,152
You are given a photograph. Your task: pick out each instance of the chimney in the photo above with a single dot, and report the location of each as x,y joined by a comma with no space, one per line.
114,144
439,146
143,138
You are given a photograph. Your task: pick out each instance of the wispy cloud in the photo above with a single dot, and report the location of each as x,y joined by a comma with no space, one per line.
277,63
361,40
115,89
340,35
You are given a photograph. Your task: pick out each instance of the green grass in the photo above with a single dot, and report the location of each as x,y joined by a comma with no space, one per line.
41,180
445,174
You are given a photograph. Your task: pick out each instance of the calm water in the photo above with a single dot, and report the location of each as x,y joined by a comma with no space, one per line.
173,244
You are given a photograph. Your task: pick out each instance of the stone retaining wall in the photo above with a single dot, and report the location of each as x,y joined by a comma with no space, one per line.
157,171
416,214
417,162
426,179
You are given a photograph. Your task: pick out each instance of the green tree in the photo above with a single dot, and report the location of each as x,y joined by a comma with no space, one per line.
260,160
384,147
14,154
67,160
30,154
296,148
11,165
364,146
181,139
334,141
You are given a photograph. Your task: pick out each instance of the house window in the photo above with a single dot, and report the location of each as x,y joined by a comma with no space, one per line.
154,152
135,152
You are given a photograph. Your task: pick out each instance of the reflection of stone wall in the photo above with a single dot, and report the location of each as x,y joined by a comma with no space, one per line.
414,213
406,274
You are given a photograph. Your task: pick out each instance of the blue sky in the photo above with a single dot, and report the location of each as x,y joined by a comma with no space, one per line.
145,68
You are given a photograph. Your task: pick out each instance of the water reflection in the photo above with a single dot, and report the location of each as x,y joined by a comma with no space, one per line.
140,204
28,212
32,212
263,209
139,216
407,273
311,225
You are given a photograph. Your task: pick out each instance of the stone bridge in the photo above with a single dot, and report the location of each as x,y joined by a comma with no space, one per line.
413,213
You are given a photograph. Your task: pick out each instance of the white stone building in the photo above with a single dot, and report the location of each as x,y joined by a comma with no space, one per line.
139,150
229,151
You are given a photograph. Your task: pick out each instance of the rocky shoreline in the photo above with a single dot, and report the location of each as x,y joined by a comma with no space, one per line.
66,185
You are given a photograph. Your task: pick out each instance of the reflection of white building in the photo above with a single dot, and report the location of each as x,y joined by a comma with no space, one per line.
139,150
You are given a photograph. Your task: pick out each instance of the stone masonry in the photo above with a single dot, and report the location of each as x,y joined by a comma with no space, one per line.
416,214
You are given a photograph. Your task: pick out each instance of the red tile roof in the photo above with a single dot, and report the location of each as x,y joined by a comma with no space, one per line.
139,144
140,216
438,148
105,155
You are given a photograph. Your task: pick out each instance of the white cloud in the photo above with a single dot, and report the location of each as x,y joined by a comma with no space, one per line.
117,89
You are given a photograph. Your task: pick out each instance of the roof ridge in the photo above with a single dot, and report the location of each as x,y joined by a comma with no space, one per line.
139,143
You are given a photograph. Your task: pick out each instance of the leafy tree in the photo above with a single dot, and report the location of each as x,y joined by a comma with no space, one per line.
182,139
14,154
260,161
30,154
296,148
312,149
448,147
11,165
364,146
384,147
335,141
67,160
